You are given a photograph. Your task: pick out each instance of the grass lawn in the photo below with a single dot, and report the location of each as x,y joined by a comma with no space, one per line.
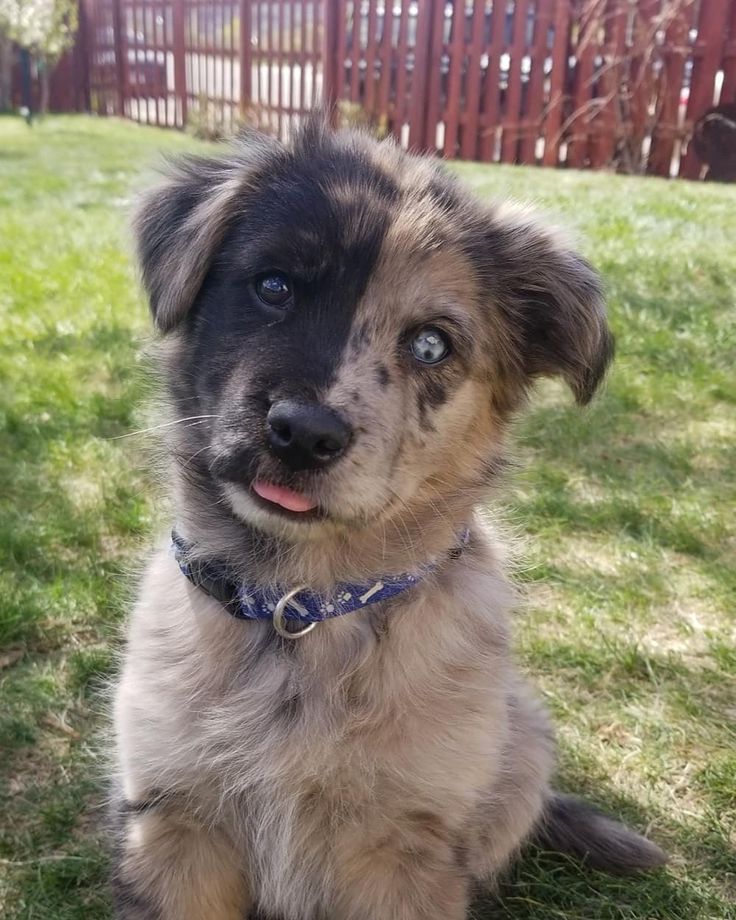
627,511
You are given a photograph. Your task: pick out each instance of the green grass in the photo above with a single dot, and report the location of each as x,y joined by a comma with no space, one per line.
628,561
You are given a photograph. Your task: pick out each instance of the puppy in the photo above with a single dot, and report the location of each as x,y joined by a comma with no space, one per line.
318,716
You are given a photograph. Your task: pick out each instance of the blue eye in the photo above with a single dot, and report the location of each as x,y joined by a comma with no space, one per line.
274,289
430,346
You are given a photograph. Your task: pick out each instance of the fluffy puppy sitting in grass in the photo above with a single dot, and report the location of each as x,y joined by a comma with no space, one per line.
318,716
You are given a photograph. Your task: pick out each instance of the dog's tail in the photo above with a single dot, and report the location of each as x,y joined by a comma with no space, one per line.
570,825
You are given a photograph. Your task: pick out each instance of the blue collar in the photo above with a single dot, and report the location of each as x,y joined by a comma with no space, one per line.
246,602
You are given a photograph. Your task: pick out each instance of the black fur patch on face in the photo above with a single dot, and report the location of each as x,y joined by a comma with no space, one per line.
236,464
319,220
382,374
432,394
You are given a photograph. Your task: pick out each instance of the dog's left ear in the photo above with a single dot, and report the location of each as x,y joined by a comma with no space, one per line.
553,303
179,224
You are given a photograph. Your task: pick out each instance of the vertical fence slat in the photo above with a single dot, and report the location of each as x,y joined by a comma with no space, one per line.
331,55
603,129
356,52
456,52
641,78
383,103
369,86
180,75
532,113
433,82
581,116
469,141
304,56
267,58
129,38
418,114
337,90
83,60
252,60
245,57
728,89
675,54
119,51
401,115
554,112
512,115
279,68
492,89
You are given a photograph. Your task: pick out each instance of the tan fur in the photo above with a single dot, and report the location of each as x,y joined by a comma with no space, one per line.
195,874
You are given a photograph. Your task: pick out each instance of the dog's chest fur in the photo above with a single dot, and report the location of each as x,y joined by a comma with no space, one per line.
292,745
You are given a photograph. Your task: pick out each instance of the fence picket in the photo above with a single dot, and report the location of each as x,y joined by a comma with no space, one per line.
558,78
532,111
511,120
434,77
469,140
491,100
451,114
667,131
728,89
611,76
579,121
400,114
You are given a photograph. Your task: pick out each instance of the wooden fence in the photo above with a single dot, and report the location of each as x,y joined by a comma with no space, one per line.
554,82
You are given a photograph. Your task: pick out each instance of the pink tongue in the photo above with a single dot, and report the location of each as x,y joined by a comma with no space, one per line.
280,495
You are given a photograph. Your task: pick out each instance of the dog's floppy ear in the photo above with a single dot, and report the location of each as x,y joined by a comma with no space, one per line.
553,300
179,224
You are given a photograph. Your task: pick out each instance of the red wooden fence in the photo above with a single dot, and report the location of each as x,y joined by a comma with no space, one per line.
555,82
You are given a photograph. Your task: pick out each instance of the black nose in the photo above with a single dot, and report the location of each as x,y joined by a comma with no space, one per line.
306,436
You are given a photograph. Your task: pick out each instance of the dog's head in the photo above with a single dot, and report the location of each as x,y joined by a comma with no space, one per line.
348,329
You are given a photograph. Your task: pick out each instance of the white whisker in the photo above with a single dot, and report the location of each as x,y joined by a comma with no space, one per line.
176,421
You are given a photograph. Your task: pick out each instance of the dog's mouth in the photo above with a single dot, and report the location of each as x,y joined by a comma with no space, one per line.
287,502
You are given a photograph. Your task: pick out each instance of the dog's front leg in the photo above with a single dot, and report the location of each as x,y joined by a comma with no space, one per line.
419,877
168,868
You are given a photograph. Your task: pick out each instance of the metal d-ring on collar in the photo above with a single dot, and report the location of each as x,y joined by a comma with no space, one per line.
279,621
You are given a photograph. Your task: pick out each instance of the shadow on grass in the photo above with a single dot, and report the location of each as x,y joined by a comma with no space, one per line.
14,155
551,886
548,887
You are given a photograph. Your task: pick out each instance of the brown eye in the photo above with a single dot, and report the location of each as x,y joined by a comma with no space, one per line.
274,289
430,346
